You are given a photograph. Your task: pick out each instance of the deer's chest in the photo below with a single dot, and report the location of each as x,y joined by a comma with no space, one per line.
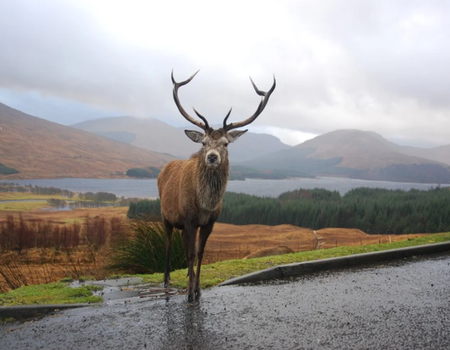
209,204
204,217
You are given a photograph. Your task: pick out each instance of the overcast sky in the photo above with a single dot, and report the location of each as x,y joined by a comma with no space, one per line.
381,65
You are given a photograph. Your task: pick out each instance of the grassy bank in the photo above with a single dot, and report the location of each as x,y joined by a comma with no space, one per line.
52,293
216,273
39,201
213,274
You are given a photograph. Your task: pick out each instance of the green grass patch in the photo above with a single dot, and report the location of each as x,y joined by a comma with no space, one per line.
22,206
11,196
221,271
53,293
25,206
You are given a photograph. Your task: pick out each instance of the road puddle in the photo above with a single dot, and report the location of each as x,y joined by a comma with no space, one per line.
128,289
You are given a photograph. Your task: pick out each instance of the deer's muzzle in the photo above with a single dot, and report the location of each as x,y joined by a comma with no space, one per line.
212,158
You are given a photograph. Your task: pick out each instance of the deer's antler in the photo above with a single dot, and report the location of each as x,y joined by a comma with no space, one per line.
204,125
262,105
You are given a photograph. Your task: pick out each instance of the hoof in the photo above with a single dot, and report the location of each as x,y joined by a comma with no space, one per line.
197,294
166,284
190,298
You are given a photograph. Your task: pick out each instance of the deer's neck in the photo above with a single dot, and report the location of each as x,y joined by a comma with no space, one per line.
211,186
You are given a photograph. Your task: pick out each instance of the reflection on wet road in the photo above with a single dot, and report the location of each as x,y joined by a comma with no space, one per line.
400,305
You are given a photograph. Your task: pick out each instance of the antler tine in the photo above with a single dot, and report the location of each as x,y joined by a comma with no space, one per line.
176,85
261,106
202,118
226,118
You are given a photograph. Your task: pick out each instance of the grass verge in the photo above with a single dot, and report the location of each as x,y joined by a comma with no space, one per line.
221,271
213,274
52,293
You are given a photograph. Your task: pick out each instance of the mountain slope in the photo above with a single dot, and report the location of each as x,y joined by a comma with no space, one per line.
39,148
358,149
355,154
349,141
439,154
150,134
155,135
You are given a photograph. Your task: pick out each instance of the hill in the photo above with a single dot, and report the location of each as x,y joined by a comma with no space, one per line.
37,148
439,154
153,134
355,154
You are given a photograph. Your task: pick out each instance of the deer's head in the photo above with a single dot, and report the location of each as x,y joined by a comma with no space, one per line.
215,142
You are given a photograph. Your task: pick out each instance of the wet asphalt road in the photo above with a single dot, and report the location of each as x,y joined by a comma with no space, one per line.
399,305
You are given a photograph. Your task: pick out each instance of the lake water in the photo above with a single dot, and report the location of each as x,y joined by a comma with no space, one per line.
147,188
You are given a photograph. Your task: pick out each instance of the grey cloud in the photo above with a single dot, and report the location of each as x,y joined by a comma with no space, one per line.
374,65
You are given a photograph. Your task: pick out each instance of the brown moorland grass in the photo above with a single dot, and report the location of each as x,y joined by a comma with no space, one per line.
68,215
229,241
226,242
236,241
48,265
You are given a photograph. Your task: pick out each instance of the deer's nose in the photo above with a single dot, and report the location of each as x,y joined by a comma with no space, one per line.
212,158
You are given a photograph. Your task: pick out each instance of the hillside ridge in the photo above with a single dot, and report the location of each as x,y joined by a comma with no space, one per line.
357,154
38,148
156,135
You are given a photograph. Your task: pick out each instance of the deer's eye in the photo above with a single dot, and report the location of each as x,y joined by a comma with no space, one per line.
204,143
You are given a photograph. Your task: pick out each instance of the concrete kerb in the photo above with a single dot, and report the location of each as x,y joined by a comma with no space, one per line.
30,311
299,269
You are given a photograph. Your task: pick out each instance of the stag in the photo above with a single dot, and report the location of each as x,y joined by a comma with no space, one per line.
191,191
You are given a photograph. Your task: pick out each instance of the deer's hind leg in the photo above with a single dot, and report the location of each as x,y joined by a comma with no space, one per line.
169,230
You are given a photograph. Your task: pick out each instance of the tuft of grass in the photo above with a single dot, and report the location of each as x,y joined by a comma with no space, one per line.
53,293
144,251
221,271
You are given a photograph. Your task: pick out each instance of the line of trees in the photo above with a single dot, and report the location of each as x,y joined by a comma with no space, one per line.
144,208
88,196
150,172
13,187
371,210
98,197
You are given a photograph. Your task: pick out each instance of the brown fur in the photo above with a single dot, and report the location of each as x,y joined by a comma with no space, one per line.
187,187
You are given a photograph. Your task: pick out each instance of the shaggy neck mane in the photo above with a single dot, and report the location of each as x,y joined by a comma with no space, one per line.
212,183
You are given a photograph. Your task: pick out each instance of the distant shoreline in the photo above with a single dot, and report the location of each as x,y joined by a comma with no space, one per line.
147,188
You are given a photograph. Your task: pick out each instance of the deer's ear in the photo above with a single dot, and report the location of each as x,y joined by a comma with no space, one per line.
195,136
234,135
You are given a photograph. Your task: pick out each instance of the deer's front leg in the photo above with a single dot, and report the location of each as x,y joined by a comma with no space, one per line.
189,237
203,237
